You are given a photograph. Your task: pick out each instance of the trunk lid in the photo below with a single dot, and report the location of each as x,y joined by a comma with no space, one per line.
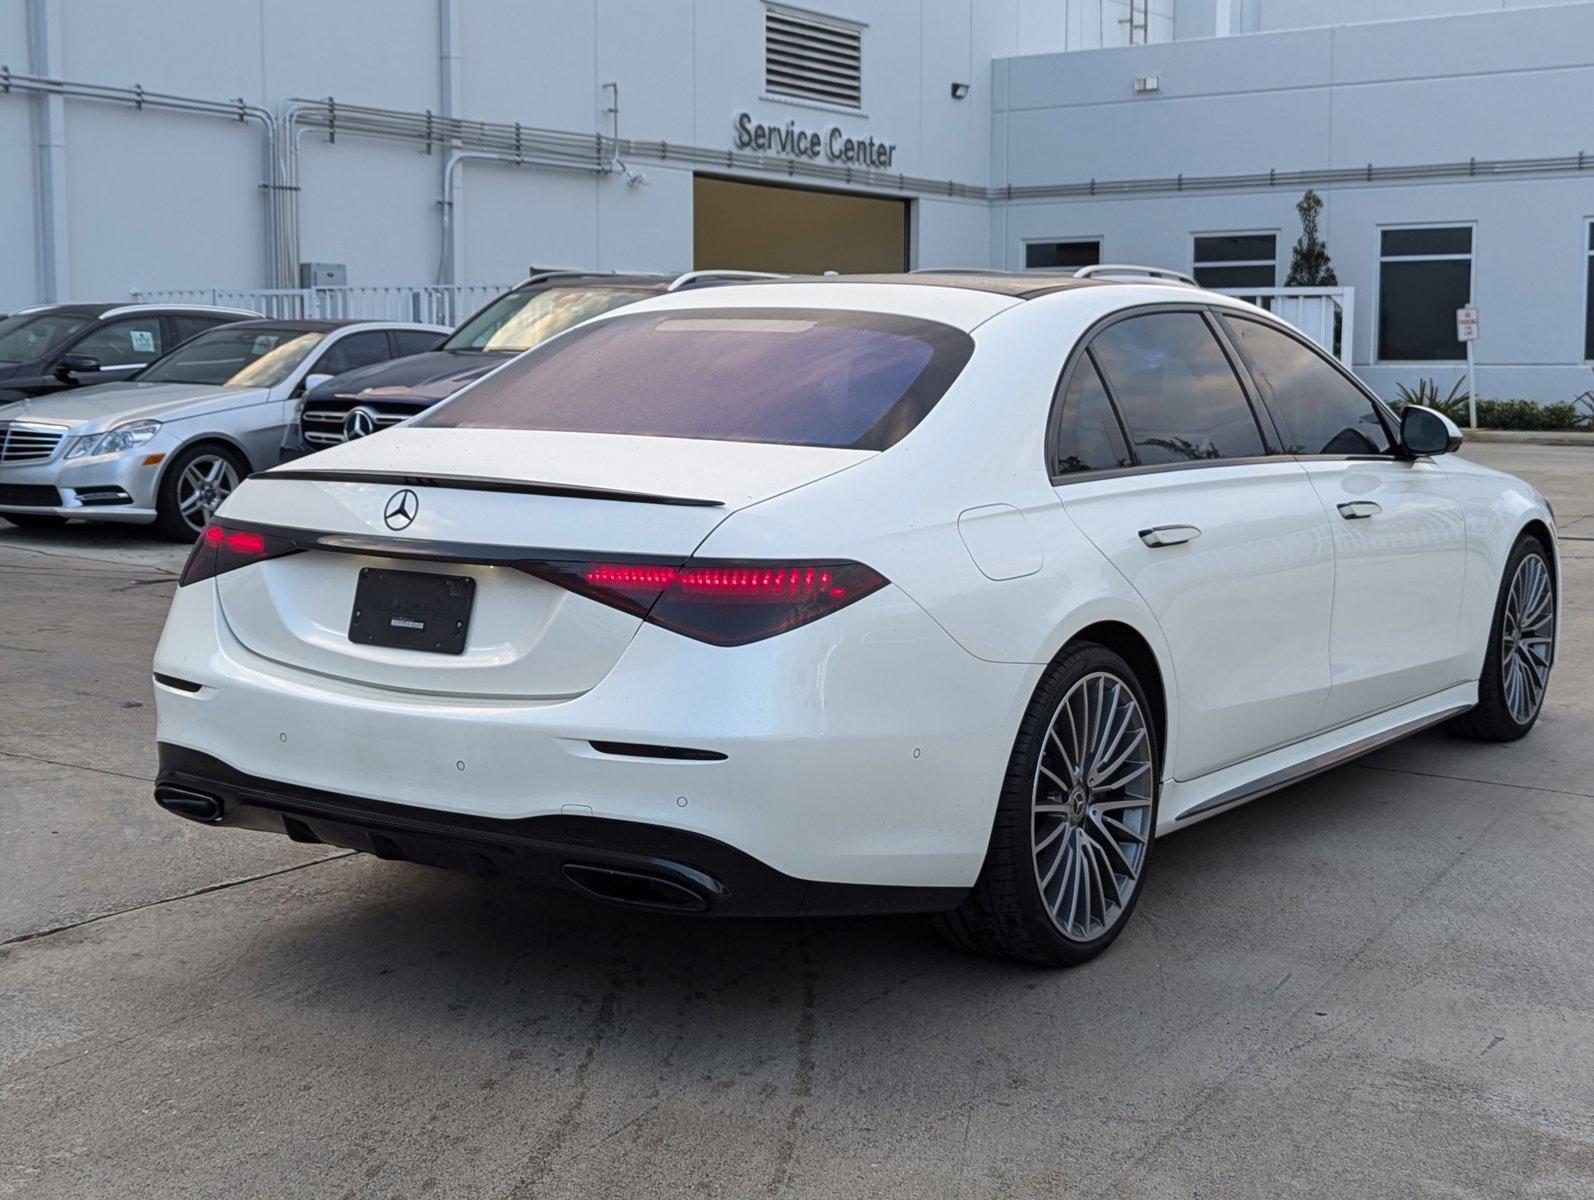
482,499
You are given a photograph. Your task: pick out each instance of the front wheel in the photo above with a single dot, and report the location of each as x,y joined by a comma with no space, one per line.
195,484
1516,664
1074,823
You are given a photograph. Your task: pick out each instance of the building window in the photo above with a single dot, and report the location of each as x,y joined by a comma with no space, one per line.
1068,255
1588,300
1236,260
1424,275
811,57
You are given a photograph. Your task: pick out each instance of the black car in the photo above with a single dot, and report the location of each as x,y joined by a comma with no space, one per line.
52,347
362,402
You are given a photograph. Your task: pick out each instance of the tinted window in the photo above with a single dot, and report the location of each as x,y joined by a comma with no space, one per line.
1062,254
522,319
187,327
1424,275
27,336
355,350
122,343
1178,395
788,376
1088,436
415,341
235,356
1236,260
1318,409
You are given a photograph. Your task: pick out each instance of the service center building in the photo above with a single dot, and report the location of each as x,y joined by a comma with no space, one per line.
461,141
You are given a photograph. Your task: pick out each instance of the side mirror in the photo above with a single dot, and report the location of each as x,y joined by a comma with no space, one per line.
76,364
313,380
1427,431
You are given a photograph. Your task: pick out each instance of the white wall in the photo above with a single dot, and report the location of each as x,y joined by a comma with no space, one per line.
158,200
1497,85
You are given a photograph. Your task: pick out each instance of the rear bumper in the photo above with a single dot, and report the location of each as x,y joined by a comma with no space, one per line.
867,748
623,862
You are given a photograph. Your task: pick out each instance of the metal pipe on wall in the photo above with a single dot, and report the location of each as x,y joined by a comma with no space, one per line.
53,257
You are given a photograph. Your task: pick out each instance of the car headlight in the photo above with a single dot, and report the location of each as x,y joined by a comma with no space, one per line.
123,437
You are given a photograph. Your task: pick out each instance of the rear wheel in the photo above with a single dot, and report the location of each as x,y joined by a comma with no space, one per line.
195,484
34,520
1516,666
1074,823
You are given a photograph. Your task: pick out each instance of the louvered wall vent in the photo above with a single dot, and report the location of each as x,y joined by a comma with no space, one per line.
812,58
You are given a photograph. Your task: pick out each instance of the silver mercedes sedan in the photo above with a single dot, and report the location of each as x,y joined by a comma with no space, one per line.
166,447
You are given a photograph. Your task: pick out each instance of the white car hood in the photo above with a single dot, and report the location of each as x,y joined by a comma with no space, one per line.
92,409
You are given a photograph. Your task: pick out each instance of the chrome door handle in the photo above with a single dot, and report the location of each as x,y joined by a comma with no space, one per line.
1360,510
1169,535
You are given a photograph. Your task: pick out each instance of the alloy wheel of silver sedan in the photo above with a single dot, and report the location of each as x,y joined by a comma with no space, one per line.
1527,634
1092,806
205,482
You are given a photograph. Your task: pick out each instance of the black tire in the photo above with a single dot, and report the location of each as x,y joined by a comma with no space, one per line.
1491,720
170,523
1005,913
34,520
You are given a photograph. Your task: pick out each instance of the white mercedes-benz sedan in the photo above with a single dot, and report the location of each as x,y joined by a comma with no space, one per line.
944,593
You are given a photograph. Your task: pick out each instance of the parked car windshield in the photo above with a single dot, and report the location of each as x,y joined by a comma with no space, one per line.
27,336
522,319
798,377
250,356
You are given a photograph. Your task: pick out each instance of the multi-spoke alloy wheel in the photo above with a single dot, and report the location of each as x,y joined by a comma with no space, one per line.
1521,648
194,486
1526,637
1073,828
1092,806
208,480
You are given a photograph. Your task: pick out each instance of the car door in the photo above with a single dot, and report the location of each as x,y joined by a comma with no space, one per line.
1399,535
1161,460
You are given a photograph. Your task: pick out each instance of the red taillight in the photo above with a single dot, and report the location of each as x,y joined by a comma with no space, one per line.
220,549
726,603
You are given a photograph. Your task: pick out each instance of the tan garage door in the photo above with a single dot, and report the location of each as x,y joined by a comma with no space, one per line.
753,227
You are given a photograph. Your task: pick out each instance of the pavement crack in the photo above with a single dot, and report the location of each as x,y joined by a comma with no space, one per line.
22,938
55,762
1521,787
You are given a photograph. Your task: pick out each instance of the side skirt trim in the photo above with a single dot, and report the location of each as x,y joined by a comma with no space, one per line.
1318,763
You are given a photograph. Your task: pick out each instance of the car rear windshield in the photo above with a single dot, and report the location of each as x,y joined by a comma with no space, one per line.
522,319
795,377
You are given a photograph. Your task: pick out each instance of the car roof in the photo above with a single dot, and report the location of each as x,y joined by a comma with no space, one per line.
302,324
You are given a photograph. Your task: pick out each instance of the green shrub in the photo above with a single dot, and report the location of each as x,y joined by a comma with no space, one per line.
1494,414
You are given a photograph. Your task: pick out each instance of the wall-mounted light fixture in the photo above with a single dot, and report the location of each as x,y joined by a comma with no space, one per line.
960,91
1148,83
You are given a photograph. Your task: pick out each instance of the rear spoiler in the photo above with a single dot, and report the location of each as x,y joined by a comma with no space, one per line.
477,483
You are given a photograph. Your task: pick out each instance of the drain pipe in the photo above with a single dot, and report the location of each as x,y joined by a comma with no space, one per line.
449,91
52,262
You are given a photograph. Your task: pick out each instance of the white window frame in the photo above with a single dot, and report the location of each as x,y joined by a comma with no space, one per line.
1378,284
1238,262
1054,238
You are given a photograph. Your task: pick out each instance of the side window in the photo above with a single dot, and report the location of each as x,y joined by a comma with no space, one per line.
415,341
1318,409
1179,397
186,327
1088,436
132,341
356,350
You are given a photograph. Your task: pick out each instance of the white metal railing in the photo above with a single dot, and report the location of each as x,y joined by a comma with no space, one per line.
432,304
1327,315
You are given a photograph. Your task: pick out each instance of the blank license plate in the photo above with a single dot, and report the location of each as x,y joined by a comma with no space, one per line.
412,611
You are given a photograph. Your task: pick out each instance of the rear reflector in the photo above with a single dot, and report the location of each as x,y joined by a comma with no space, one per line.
221,549
725,603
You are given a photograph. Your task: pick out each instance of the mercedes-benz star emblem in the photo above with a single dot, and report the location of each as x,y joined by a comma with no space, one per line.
358,423
401,509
